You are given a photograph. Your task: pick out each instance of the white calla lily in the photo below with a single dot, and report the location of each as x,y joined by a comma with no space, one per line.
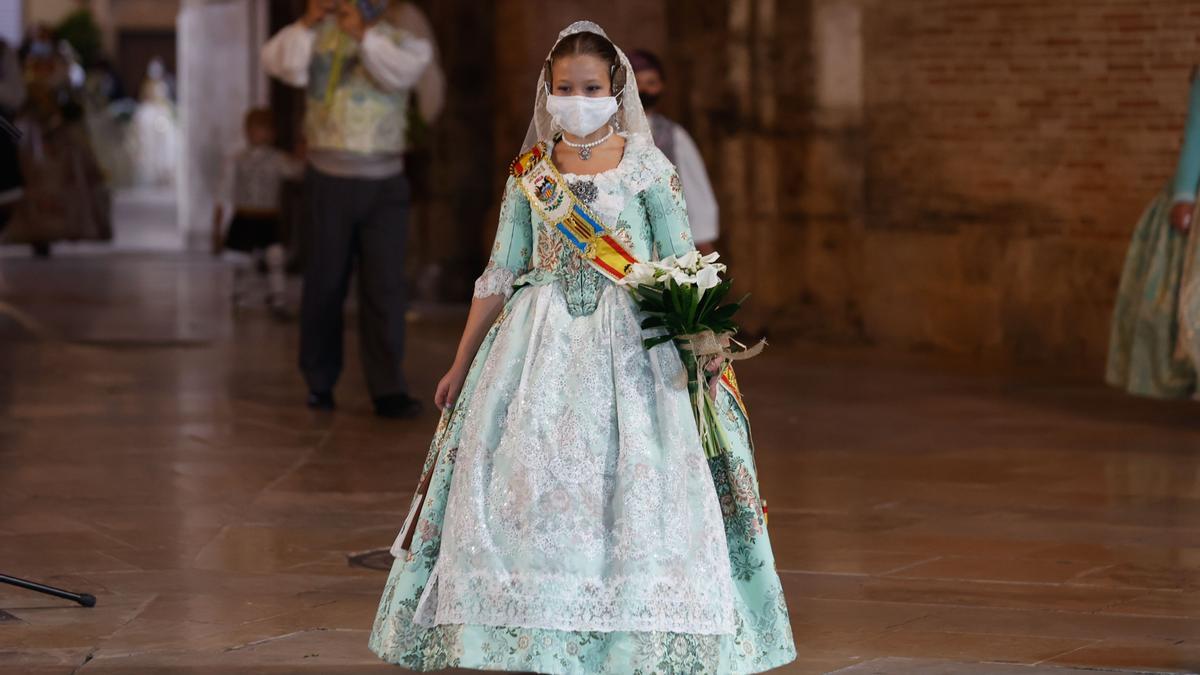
682,278
707,278
689,260
640,274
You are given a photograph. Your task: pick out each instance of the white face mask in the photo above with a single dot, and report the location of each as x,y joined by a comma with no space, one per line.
581,115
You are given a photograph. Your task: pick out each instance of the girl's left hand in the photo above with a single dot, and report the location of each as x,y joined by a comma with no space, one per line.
714,368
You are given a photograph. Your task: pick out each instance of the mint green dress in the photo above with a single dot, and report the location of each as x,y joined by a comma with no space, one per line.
572,523
1152,348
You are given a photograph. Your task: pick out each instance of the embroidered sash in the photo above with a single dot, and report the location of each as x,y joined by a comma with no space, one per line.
549,195
554,201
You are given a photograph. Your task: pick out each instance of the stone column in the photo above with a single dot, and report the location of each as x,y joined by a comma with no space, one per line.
772,93
830,209
456,189
218,81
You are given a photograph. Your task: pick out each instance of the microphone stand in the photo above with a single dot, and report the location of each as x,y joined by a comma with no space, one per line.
85,599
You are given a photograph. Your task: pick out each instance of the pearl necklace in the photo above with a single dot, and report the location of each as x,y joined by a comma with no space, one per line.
585,149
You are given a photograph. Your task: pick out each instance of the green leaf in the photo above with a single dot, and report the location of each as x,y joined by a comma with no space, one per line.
651,292
653,342
725,313
653,322
675,302
693,303
711,299
720,291
652,306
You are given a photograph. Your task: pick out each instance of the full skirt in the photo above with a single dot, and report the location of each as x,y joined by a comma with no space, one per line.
1145,353
66,198
571,522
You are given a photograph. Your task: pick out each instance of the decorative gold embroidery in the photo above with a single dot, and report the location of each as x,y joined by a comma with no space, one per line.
623,235
549,250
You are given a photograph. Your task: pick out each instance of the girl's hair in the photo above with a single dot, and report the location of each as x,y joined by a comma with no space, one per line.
585,43
592,45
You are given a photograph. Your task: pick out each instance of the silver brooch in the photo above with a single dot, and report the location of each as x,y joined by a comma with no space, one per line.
585,190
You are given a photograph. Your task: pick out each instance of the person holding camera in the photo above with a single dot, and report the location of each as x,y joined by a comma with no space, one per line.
359,71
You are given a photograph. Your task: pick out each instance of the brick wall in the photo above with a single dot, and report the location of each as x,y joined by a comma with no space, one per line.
960,175
1010,147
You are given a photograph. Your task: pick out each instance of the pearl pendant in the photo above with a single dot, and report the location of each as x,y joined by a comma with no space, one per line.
585,153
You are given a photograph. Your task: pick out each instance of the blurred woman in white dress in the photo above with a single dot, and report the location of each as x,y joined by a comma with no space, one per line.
155,134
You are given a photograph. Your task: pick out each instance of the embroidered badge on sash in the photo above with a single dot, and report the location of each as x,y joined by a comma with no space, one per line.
547,191
551,197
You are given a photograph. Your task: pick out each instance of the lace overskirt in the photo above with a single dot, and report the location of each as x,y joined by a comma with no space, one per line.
573,524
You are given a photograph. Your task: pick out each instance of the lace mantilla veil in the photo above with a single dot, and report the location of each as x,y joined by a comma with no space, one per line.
630,118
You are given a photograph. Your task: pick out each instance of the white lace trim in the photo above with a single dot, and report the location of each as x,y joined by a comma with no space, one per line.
643,166
647,165
495,281
569,603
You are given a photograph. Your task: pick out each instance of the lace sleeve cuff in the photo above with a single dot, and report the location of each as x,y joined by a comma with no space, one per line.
495,281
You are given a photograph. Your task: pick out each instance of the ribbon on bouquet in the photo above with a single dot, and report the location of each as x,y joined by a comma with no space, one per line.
712,345
707,345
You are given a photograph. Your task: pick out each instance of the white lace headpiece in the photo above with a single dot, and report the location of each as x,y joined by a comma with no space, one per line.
630,117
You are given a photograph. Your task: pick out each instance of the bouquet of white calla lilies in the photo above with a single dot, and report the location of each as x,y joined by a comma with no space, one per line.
681,297
704,272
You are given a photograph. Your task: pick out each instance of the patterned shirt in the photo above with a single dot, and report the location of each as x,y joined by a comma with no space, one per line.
254,176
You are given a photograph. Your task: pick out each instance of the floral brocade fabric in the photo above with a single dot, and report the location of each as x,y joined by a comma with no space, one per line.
1152,348
572,523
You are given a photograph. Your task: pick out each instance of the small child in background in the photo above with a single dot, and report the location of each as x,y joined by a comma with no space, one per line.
250,192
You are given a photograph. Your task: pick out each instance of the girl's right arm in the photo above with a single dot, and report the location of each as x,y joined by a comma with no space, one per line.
484,312
511,255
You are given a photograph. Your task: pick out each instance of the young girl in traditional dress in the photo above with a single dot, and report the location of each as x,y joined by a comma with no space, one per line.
1153,350
567,520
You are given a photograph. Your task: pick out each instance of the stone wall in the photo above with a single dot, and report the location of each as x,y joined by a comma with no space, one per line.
772,94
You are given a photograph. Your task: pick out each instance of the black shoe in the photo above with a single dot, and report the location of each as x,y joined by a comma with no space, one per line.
397,407
320,400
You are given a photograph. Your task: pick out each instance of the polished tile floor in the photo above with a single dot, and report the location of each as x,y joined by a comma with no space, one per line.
928,517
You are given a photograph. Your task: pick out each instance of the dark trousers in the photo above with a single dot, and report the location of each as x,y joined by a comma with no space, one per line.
353,219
